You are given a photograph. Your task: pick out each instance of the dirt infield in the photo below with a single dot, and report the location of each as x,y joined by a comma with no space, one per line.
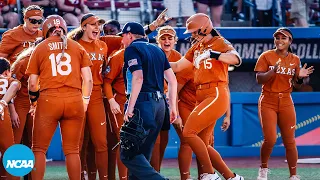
247,162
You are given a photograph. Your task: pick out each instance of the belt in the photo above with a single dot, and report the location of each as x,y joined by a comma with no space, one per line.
274,94
145,96
209,85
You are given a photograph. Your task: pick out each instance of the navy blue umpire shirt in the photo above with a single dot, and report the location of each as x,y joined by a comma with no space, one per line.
141,55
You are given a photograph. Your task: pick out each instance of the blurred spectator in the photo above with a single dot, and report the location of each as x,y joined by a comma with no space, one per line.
238,16
300,12
264,9
72,11
8,18
49,6
177,9
111,27
216,8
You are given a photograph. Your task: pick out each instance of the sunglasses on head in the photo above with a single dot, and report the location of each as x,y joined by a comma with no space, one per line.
35,21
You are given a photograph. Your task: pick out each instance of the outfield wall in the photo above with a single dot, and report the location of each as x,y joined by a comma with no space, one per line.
244,137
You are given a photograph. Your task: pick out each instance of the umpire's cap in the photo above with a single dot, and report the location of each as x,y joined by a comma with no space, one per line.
132,27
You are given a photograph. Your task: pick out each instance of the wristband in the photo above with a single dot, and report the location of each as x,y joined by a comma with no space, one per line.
215,54
36,94
86,99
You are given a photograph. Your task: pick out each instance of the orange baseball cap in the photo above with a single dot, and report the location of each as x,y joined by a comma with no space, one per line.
283,32
167,30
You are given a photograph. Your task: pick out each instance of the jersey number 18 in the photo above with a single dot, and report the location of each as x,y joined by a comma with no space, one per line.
57,68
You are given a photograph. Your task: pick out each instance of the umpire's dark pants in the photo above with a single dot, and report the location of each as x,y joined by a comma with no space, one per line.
152,111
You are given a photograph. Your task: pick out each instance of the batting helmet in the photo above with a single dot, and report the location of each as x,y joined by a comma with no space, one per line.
53,21
199,22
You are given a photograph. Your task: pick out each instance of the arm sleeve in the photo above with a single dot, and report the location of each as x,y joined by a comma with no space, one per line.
86,62
261,65
132,59
189,55
114,67
34,62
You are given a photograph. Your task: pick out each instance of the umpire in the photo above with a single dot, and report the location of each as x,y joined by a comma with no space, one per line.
145,66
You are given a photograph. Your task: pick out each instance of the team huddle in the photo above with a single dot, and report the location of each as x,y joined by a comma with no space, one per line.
115,96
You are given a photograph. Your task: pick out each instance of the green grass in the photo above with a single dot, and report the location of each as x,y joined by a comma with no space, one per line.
59,173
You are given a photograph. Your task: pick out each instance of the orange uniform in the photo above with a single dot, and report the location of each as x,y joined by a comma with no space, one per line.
187,102
114,87
22,102
15,40
113,43
276,105
95,115
60,99
6,132
212,97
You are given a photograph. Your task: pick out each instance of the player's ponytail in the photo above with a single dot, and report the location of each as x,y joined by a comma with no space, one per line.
76,34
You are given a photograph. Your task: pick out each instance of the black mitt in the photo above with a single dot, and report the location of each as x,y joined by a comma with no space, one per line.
132,134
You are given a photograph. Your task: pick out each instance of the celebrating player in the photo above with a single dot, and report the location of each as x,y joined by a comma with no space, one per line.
62,69
8,89
21,37
87,35
278,70
166,39
211,54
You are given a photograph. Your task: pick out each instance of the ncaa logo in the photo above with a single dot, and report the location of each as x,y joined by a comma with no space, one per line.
18,160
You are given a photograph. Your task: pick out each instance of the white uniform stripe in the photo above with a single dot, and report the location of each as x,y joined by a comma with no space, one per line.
214,100
259,109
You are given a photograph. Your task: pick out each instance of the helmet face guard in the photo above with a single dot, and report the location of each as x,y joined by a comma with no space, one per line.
199,25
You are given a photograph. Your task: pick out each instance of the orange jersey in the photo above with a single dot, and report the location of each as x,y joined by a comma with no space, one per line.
113,43
15,40
67,72
114,75
19,72
5,83
173,57
211,70
97,51
288,68
188,93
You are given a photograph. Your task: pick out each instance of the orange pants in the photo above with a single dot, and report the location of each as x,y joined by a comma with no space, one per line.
65,106
278,109
114,125
185,152
96,122
6,140
212,104
22,106
159,149
87,156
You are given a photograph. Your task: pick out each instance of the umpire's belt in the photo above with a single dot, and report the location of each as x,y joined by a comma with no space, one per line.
210,85
145,96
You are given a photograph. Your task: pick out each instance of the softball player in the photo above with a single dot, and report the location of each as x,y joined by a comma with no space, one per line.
87,36
61,68
211,54
278,70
